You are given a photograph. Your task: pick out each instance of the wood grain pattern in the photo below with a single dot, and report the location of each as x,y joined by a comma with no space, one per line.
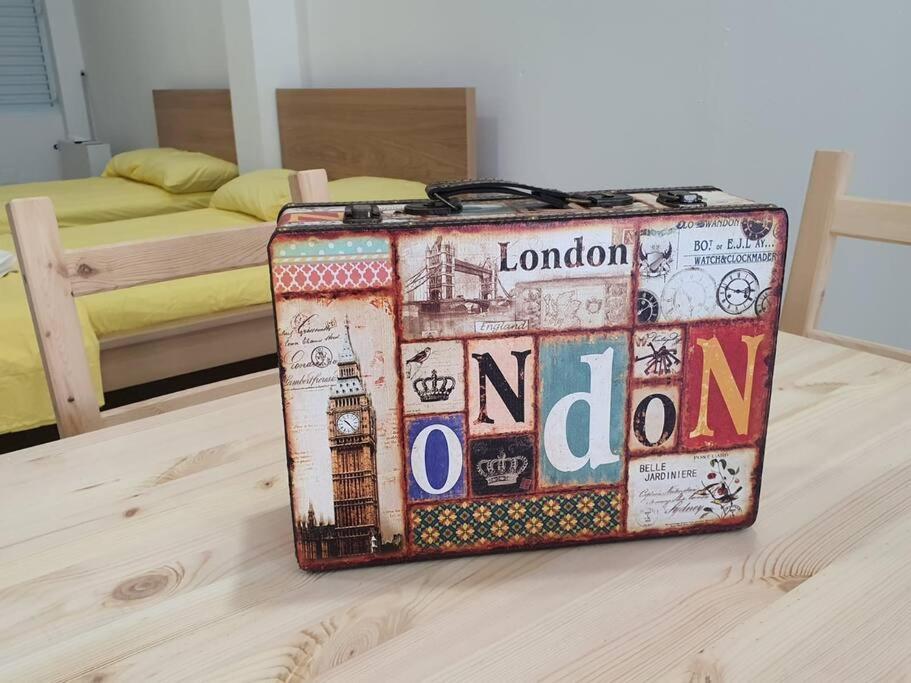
159,405
162,549
807,630
196,120
54,316
422,134
128,264
309,187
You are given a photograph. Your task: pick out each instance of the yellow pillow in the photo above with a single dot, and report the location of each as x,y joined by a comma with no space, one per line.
258,193
174,170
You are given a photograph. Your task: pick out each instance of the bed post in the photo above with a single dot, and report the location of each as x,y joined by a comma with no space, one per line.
54,315
309,187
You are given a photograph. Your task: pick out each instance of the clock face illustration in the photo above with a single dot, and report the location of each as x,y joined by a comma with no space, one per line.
737,291
756,230
763,301
321,356
646,307
688,295
348,423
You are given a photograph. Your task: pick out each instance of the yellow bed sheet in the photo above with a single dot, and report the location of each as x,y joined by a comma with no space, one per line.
138,308
86,201
364,188
24,401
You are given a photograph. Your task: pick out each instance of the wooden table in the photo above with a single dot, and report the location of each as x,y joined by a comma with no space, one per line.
161,549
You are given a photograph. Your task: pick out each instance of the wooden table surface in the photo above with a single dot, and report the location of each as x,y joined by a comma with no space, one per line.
161,549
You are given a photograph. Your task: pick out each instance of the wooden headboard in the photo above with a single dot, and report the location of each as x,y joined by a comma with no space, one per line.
422,134
196,120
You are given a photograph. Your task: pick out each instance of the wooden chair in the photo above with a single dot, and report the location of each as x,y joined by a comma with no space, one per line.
828,213
53,277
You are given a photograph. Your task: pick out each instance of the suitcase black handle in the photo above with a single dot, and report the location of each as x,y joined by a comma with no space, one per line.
443,199
444,191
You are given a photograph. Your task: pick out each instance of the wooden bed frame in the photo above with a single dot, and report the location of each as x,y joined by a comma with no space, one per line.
54,277
196,120
423,134
413,133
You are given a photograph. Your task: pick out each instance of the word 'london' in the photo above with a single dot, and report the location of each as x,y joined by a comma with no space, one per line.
575,256
598,398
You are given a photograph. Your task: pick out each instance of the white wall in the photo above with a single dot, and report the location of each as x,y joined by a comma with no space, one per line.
63,30
132,47
264,56
28,133
27,137
587,94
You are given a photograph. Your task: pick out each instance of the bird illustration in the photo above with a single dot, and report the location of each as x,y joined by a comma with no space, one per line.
413,364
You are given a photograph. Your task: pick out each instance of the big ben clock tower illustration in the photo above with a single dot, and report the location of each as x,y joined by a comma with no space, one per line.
352,447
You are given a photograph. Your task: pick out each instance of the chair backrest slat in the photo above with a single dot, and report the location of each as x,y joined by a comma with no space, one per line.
54,277
873,219
829,213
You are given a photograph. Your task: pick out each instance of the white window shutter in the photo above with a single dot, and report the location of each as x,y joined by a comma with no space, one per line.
25,74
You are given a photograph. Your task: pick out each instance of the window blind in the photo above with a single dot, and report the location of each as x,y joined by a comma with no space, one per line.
24,69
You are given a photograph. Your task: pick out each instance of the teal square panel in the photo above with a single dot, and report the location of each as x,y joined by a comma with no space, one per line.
582,423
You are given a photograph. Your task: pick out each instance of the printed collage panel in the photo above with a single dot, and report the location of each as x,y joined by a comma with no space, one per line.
684,490
346,264
340,390
512,385
713,267
556,276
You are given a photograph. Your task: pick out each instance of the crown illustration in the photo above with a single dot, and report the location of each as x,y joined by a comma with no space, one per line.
502,470
433,387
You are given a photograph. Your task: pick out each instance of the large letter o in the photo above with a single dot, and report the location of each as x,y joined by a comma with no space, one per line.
669,423
419,459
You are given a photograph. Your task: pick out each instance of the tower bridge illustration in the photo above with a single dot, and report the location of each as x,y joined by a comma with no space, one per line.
447,290
447,280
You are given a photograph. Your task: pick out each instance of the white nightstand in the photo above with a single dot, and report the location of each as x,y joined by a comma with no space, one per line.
83,159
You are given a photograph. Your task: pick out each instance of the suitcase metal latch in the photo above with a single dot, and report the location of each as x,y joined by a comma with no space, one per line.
680,198
359,213
608,199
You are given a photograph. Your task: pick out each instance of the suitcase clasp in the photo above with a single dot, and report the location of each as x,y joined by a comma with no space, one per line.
360,213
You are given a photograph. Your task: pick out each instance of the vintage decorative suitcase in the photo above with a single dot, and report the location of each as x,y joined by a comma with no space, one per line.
505,367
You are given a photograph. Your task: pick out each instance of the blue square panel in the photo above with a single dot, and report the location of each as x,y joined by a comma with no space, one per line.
436,457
